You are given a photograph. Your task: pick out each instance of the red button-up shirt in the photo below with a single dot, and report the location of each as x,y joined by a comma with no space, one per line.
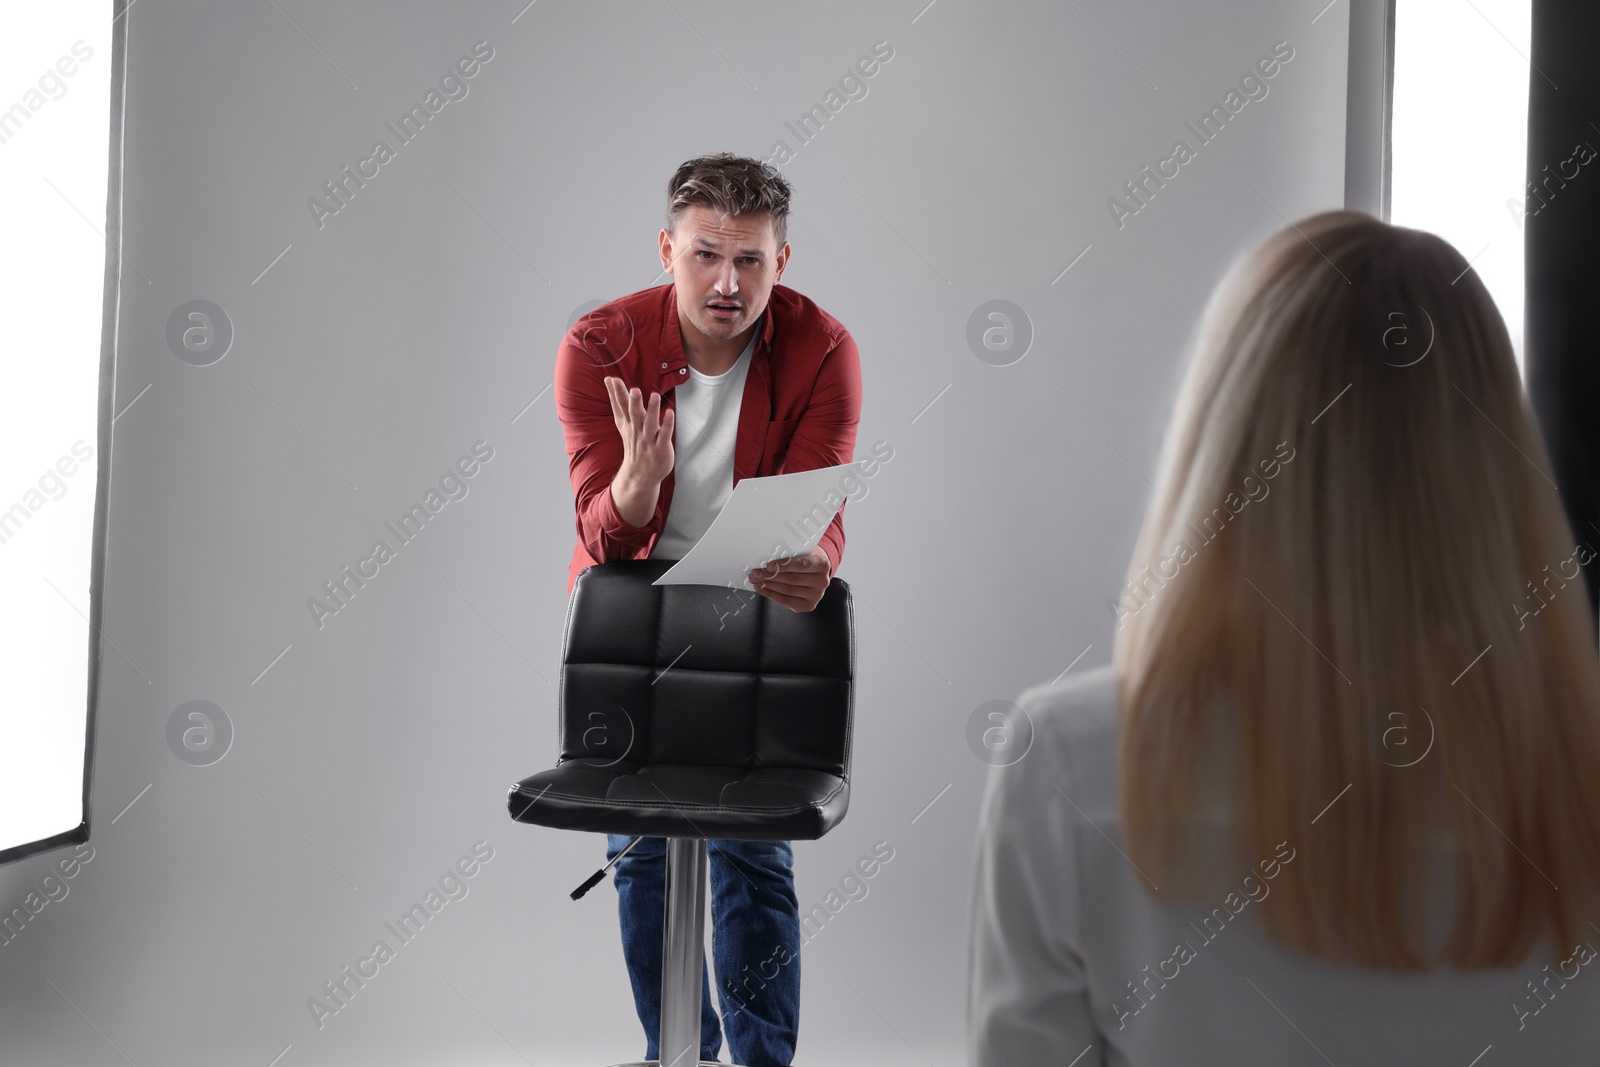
801,404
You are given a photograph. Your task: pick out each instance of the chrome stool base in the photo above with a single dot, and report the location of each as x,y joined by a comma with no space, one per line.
683,954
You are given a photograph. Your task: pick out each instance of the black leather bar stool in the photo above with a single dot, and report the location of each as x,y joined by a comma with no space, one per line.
696,712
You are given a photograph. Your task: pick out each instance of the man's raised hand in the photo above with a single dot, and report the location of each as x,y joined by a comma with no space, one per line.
646,432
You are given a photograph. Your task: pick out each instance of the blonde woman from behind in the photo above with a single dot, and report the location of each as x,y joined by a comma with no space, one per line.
1337,797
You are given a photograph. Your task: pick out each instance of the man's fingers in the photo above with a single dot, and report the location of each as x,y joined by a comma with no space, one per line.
792,565
793,603
633,405
630,417
782,578
652,416
786,584
619,405
768,570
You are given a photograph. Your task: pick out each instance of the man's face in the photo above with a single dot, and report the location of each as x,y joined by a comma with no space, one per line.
723,268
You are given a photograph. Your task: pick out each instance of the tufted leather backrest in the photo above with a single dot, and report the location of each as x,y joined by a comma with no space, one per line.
704,675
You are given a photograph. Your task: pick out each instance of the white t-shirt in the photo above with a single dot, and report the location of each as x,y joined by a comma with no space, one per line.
1072,961
706,415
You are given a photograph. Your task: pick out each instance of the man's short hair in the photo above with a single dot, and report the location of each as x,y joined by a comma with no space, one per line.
734,185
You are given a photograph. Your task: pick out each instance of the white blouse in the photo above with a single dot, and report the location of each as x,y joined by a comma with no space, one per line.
1073,963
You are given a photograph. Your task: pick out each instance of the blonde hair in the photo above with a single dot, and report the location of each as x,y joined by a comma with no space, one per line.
1267,643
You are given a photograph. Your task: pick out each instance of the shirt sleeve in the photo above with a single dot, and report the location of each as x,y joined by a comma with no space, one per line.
1027,985
594,453
826,433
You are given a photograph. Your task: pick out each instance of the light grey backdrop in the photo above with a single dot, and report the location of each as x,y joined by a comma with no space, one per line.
371,353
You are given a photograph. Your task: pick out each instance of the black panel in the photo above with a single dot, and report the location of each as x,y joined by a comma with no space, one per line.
814,642
802,722
704,717
1562,333
611,621
605,710
709,629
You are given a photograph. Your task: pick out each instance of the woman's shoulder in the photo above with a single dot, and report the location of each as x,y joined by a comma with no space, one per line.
1079,709
1073,724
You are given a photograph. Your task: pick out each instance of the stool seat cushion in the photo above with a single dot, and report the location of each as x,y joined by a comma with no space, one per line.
683,800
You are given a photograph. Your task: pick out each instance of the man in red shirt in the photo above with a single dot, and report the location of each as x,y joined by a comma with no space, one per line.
667,397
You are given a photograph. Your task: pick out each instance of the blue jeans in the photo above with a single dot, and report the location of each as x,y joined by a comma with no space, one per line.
755,928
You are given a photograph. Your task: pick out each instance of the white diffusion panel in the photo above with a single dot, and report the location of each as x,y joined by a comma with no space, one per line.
54,119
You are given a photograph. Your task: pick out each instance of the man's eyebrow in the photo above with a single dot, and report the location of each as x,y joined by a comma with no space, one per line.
717,246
